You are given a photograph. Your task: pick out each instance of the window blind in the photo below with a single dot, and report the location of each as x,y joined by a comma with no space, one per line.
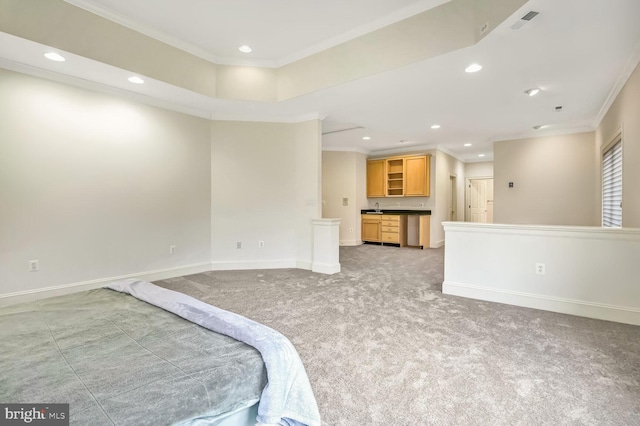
612,186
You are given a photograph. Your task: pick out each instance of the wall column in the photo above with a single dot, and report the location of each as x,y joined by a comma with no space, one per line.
326,246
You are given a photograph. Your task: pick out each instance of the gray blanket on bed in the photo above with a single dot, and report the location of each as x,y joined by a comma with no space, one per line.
287,399
118,360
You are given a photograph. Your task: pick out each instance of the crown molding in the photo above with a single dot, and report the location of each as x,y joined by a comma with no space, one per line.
444,149
404,150
399,15
631,65
475,159
166,38
346,149
311,116
480,160
261,118
544,133
100,87
149,100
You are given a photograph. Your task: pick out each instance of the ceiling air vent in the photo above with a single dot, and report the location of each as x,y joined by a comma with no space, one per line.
522,21
529,16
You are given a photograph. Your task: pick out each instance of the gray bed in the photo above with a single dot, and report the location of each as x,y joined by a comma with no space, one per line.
118,360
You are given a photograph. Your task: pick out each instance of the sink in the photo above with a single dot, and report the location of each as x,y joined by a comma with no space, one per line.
374,213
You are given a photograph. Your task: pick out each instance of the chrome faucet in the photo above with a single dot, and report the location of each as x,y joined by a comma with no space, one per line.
377,208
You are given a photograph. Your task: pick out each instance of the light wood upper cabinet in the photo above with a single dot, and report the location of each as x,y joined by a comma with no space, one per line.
395,177
416,170
406,176
375,178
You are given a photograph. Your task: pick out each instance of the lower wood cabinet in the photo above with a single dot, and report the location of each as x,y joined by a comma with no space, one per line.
391,229
371,228
394,229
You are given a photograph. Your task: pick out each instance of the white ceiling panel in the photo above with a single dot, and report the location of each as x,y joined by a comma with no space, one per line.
579,52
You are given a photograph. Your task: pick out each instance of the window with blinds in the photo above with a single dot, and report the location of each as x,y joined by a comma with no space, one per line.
612,185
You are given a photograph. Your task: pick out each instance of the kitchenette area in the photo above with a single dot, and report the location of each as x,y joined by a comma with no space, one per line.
397,177
400,228
385,201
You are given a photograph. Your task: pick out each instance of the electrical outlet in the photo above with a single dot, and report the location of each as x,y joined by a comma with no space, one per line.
239,245
34,265
172,249
541,268
351,230
345,201
260,244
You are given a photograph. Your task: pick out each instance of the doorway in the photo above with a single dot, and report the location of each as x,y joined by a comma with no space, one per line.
480,200
453,199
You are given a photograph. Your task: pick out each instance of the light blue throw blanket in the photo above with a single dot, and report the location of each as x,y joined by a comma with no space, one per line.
287,399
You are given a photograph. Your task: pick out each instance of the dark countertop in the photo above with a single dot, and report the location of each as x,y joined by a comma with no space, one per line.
407,212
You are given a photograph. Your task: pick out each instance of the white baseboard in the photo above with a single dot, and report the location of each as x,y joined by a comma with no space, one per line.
326,268
438,244
581,308
238,265
59,290
300,264
350,243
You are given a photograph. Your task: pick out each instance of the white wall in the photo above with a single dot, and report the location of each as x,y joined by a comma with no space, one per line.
361,191
623,115
95,187
344,176
589,271
307,138
446,166
265,181
482,169
554,179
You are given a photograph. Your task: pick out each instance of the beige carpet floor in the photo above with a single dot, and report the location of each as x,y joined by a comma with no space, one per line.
383,346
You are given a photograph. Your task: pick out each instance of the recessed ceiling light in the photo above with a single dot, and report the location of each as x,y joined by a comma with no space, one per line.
366,138
245,49
540,126
473,68
532,92
54,56
435,126
480,155
136,80
467,144
404,141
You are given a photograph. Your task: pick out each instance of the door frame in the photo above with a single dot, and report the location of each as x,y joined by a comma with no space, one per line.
467,183
453,193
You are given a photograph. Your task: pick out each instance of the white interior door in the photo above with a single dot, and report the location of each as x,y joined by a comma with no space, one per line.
480,200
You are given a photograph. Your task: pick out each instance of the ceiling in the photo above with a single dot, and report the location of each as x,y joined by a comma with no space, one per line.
579,52
279,31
